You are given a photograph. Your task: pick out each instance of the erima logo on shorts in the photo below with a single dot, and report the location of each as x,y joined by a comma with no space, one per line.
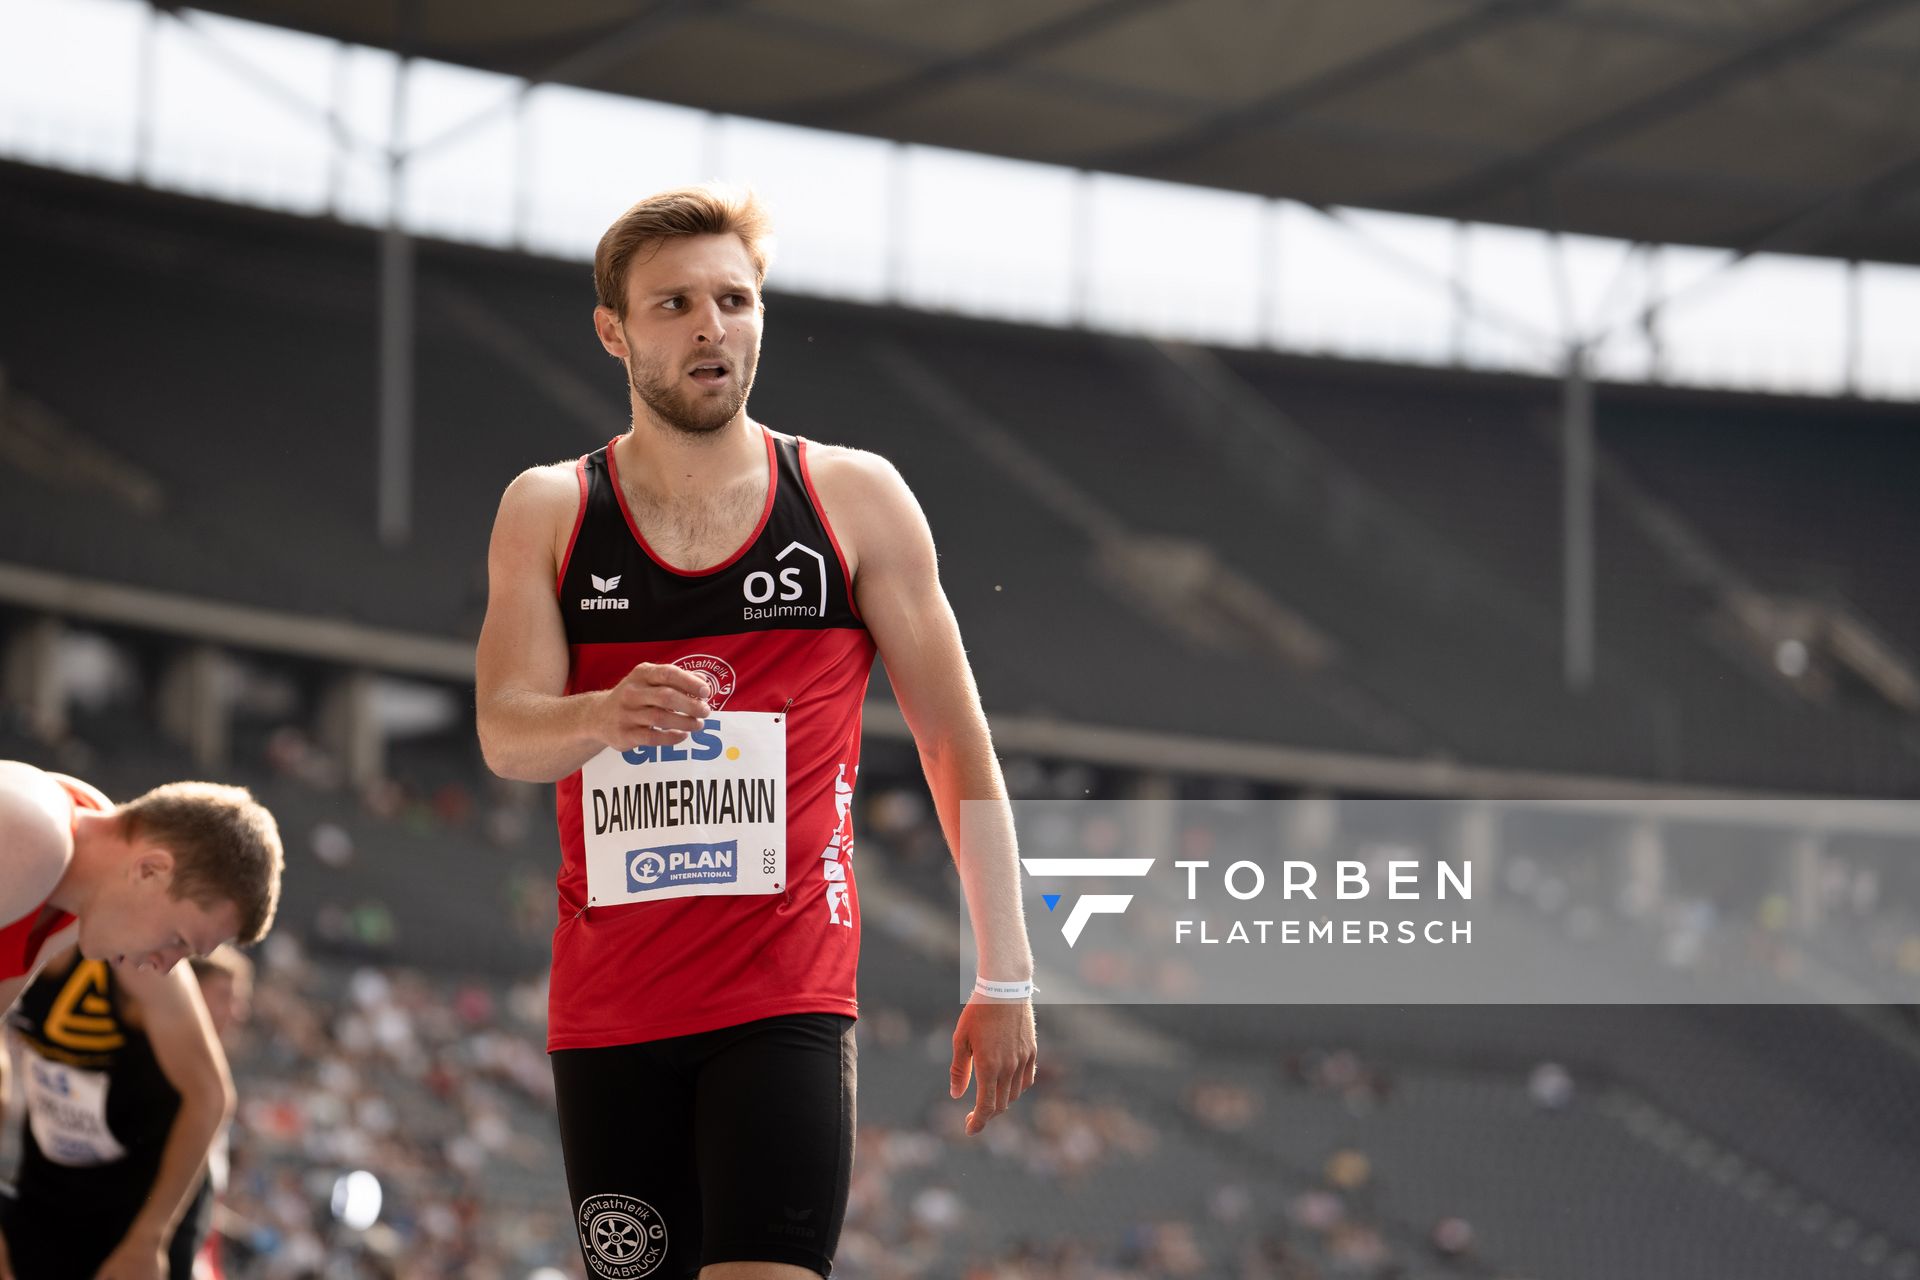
1088,905
670,866
622,1238
604,601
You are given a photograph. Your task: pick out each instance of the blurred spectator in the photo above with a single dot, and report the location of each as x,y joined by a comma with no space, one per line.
332,845
1550,1087
1451,1238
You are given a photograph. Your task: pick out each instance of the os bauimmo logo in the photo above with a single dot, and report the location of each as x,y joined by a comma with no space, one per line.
799,591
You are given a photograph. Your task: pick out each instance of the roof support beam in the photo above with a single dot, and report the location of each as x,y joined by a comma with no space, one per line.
1065,29
1807,230
586,64
1783,46
1276,108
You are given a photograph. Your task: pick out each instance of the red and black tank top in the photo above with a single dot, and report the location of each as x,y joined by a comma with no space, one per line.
772,629
21,940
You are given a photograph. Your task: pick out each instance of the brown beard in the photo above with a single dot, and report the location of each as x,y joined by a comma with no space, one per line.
661,390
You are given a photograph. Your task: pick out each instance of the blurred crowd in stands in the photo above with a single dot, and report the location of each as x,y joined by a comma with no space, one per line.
437,1084
439,1088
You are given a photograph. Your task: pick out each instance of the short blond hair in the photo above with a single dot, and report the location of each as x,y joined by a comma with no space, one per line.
710,209
225,847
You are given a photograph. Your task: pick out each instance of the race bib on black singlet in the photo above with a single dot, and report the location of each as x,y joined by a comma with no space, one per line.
67,1108
706,817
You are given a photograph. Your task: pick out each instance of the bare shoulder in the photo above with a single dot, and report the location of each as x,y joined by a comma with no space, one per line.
874,514
852,481
537,513
544,490
841,457
36,837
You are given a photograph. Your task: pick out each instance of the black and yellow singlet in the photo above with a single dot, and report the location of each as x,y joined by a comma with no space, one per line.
98,1112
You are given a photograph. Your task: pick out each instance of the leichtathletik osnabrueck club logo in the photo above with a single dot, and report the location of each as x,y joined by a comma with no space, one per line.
1087,905
622,1238
715,671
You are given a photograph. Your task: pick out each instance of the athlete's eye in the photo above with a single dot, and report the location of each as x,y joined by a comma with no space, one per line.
737,299
669,303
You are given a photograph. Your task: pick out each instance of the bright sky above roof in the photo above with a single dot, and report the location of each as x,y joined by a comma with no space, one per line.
240,112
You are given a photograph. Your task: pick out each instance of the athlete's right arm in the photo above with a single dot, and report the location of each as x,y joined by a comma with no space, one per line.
530,729
36,838
10,991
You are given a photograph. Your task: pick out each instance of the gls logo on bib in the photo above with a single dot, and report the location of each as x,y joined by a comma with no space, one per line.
702,744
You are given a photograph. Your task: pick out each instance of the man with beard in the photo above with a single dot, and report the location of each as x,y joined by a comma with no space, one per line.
679,632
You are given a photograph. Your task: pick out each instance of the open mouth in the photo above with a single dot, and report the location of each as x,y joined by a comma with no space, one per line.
709,375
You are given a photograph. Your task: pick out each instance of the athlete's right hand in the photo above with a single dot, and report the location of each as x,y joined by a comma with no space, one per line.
656,705
6,1262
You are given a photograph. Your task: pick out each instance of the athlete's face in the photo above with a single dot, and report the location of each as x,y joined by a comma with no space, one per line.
691,336
227,1004
136,922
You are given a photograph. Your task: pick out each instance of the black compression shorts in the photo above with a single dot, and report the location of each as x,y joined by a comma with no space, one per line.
733,1145
72,1230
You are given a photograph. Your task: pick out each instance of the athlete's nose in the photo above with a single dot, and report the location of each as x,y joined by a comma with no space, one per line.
713,326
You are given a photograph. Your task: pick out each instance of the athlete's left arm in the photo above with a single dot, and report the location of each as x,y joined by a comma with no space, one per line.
896,583
175,1020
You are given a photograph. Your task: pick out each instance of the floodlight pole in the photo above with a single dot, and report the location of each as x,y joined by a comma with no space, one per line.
395,479
146,94
896,229
1576,472
1080,272
1856,330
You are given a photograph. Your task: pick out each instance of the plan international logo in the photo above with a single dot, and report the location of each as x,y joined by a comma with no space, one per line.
1088,905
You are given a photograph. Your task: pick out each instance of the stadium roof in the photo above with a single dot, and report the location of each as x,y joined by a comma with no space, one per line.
1755,124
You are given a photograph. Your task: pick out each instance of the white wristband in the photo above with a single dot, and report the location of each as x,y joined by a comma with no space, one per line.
1004,990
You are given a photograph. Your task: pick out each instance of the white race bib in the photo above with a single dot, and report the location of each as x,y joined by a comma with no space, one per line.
705,817
67,1107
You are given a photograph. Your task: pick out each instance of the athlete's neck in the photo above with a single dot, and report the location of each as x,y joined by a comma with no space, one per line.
96,837
668,466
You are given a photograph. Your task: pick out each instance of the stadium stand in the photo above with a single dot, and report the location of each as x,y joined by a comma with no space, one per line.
1410,613
1312,1141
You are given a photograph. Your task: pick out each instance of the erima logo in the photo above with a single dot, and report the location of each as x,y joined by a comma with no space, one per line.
604,585
1092,904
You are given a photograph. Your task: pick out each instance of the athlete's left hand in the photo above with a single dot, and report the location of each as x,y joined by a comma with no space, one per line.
994,1042
139,1257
